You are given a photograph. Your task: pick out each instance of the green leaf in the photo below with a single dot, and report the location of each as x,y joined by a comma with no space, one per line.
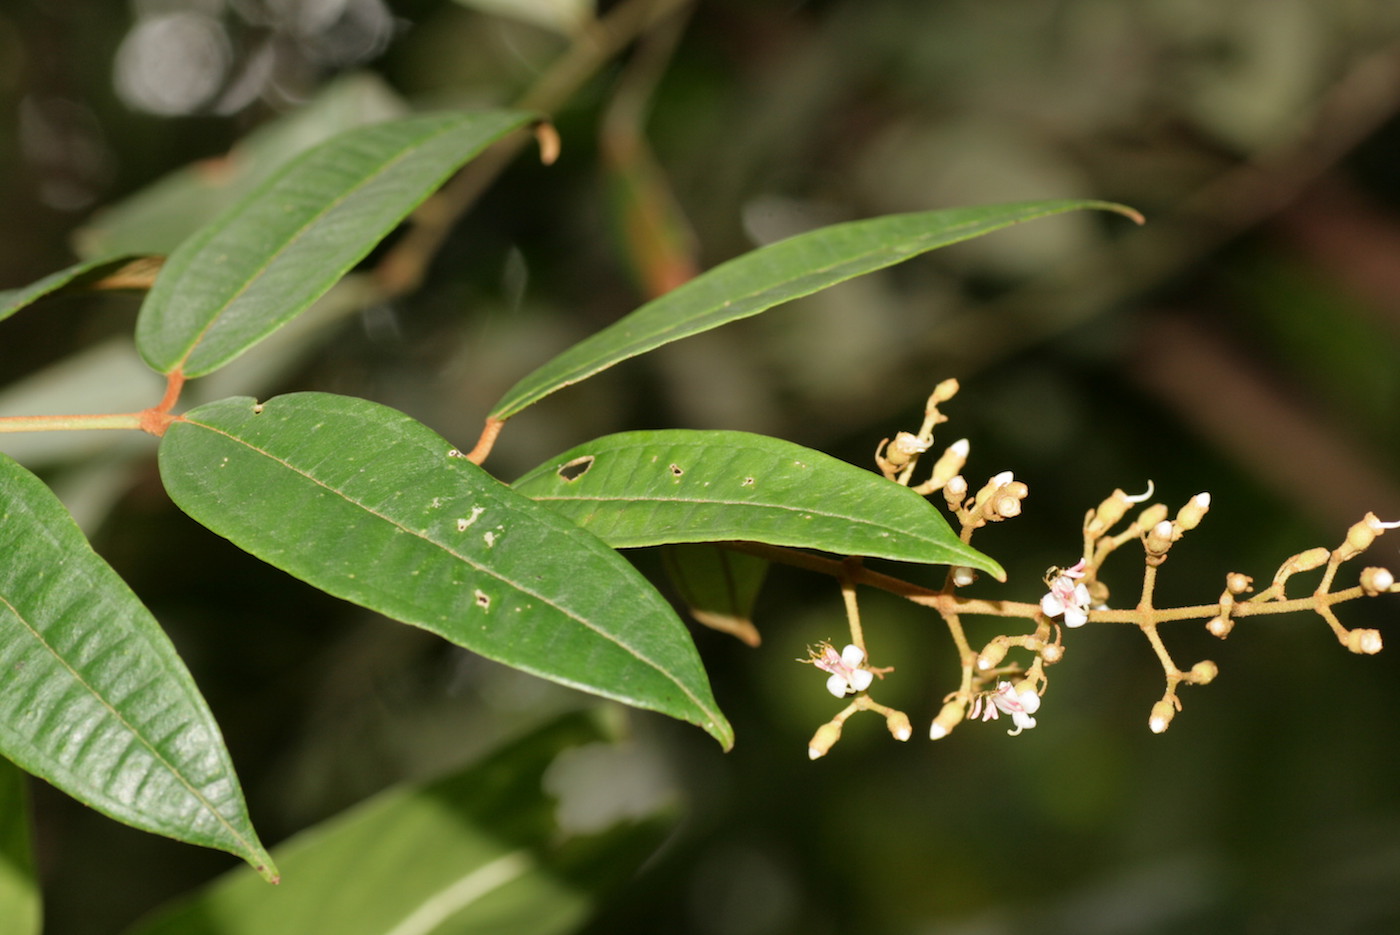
772,275
648,488
95,699
73,278
155,219
256,267
479,851
19,892
719,586
369,505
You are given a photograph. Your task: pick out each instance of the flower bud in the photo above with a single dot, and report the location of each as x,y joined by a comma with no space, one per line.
943,392
823,740
949,717
1151,516
1190,516
992,656
1303,561
963,576
1220,626
898,723
1162,714
1376,580
949,464
1204,672
1360,536
1364,642
1052,653
1237,583
905,448
1159,539
955,492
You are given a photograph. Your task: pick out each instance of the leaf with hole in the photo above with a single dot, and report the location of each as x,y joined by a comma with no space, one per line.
482,850
772,275
253,269
95,699
367,504
677,485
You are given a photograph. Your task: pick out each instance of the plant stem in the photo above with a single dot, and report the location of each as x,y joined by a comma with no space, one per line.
954,604
115,420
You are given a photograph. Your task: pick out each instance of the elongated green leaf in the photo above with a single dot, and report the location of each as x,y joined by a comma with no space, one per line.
367,504
254,268
473,853
648,488
95,699
77,276
19,891
156,218
772,275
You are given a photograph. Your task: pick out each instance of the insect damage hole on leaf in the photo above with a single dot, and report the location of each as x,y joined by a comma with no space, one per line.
483,600
464,522
576,468
677,470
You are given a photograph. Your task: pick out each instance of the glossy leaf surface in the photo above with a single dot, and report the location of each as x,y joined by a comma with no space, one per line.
367,504
95,699
769,276
649,488
266,260
479,851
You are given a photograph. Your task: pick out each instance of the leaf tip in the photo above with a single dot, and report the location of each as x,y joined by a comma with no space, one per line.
992,567
1132,214
262,863
720,729
547,138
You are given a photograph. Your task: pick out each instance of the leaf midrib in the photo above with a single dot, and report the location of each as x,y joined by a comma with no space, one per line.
140,737
739,503
635,653
581,371
407,150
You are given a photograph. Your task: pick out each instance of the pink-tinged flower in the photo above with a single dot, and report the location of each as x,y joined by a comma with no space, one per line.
1067,596
1019,701
847,676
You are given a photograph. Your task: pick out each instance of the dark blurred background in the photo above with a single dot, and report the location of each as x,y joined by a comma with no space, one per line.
1245,342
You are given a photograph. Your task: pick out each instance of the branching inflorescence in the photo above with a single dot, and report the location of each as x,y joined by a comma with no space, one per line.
1007,674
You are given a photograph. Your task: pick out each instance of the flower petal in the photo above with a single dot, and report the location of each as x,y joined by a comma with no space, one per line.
837,685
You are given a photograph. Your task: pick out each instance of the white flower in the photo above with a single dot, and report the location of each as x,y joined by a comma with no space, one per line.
847,676
1018,701
1067,596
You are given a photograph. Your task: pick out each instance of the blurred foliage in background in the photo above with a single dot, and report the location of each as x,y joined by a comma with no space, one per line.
1247,342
